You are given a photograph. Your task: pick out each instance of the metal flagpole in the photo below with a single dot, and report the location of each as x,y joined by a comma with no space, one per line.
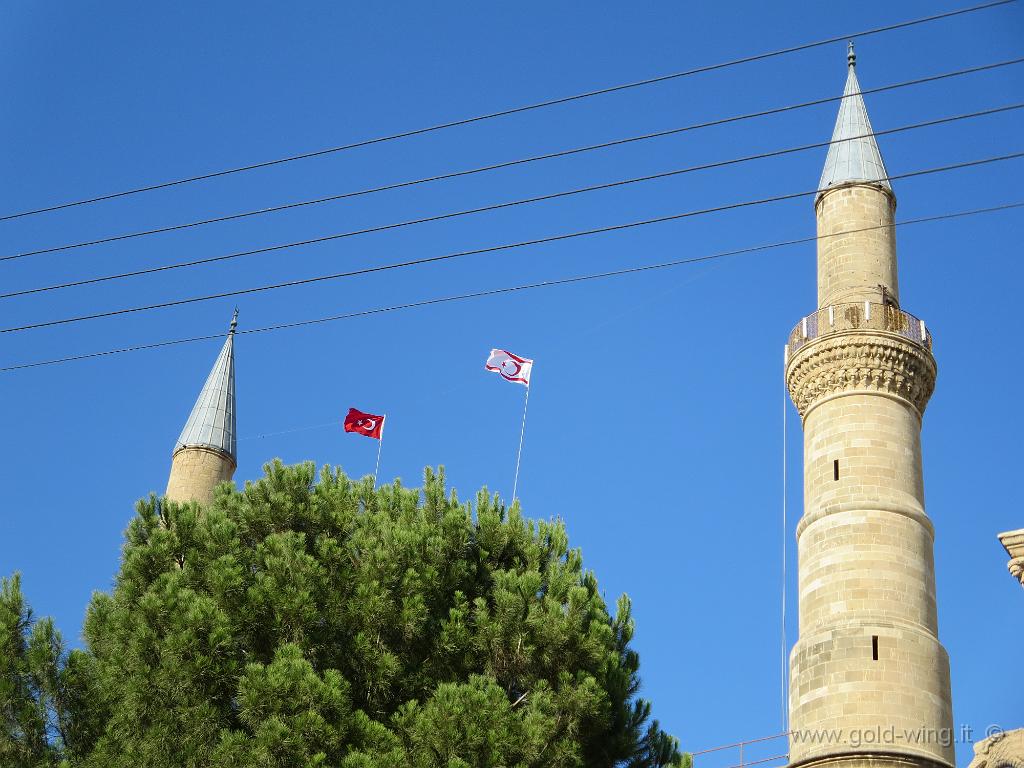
522,432
785,666
380,444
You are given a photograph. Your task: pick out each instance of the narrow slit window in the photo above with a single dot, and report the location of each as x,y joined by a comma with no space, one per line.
835,469
874,647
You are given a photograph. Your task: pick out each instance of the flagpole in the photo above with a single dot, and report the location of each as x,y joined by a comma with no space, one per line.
380,444
522,433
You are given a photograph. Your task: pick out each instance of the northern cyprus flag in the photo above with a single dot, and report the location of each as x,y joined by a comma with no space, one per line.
510,367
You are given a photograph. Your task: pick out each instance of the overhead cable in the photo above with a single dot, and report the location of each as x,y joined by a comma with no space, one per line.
514,110
500,206
508,290
497,166
490,249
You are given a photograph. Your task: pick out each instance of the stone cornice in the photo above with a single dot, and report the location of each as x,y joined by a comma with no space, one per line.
861,362
1003,750
875,186
839,758
208,449
1014,543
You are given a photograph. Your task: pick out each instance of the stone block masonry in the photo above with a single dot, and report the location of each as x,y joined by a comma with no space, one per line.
852,267
196,471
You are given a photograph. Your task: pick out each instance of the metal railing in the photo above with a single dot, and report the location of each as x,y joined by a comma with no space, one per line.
861,315
745,759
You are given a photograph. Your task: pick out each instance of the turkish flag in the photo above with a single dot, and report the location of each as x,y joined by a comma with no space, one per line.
364,423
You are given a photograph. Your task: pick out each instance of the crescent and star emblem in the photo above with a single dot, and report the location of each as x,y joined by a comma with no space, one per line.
510,364
367,424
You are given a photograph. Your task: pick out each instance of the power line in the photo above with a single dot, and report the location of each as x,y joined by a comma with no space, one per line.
514,110
508,204
490,249
502,165
334,423
511,289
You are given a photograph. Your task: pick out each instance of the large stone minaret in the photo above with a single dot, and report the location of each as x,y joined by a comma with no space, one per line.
869,680
206,452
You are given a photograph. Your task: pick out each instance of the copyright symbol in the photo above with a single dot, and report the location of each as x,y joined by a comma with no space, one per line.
993,730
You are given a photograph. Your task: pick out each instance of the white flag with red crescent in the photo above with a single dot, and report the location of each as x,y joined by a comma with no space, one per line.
510,367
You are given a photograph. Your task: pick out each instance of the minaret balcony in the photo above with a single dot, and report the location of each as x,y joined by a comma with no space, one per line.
858,316
860,347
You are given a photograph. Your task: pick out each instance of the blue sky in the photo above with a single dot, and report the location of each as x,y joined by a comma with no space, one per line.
656,413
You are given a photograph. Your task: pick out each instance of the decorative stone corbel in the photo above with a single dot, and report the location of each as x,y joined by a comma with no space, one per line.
1014,543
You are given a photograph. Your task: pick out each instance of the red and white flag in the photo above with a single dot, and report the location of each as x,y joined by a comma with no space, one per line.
510,367
364,423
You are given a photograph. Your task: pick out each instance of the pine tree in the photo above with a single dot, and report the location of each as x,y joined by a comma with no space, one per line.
39,682
327,623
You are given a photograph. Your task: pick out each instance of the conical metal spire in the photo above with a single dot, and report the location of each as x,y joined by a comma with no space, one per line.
850,159
212,422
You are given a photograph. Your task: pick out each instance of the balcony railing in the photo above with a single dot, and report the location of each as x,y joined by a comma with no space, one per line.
862,315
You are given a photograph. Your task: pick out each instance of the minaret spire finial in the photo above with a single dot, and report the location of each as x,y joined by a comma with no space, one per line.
212,421
853,154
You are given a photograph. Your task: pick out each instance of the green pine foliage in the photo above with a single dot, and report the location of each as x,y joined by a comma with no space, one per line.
322,622
39,685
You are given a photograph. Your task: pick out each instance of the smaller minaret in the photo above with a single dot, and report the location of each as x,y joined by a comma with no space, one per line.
206,453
